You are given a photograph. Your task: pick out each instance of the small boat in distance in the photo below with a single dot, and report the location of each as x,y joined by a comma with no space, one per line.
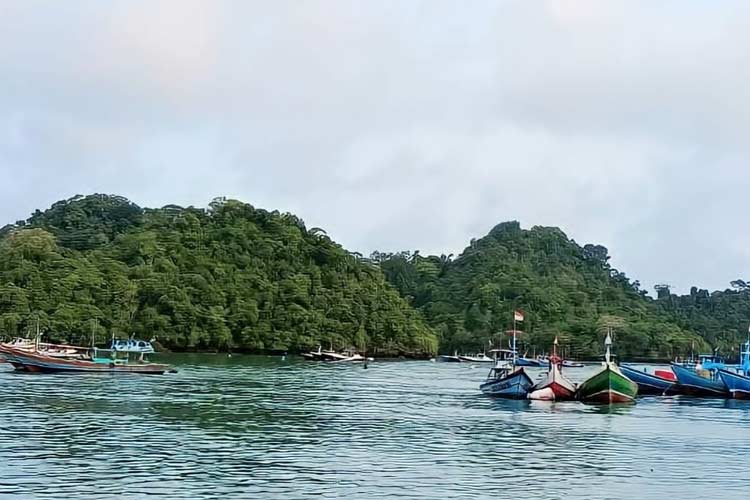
478,358
649,383
450,359
555,387
331,356
132,345
608,385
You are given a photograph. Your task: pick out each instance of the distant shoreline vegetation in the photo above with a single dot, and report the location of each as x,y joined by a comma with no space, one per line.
236,278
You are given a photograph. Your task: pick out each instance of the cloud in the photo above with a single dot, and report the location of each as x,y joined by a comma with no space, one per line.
397,125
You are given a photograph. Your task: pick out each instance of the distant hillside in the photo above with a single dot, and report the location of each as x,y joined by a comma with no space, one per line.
721,317
565,290
230,277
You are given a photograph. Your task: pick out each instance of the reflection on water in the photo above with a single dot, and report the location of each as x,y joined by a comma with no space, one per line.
260,427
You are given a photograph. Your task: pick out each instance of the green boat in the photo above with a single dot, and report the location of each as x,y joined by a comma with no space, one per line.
608,385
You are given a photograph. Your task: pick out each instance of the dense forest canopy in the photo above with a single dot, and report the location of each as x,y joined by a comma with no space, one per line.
566,290
230,277
236,277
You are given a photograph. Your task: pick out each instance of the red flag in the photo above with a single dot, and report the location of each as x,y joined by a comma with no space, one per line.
518,315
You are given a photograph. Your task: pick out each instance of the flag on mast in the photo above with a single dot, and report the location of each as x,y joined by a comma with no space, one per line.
555,339
518,315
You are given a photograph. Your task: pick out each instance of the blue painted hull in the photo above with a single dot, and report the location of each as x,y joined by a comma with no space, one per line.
647,383
692,384
737,385
515,386
527,362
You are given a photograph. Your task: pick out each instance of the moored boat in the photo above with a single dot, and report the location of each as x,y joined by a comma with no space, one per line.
737,385
528,362
40,362
648,383
698,382
505,379
554,387
450,359
608,385
478,358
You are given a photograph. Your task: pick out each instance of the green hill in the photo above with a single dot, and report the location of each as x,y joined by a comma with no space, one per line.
565,290
230,277
721,317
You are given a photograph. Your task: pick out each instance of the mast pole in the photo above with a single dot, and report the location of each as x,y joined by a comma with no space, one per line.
515,354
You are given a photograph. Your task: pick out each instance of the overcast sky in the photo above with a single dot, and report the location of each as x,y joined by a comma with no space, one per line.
398,125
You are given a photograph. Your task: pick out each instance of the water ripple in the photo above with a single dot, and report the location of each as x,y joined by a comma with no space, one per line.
261,427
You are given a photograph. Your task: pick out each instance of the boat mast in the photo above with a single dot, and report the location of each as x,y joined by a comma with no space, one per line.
515,354
608,344
36,339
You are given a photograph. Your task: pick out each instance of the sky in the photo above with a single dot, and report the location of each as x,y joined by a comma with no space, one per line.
398,125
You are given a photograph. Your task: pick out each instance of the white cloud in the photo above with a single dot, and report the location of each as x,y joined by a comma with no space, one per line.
397,124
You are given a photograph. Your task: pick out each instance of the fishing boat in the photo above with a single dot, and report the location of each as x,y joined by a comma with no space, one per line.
505,379
346,356
608,385
44,363
738,383
698,381
572,364
132,345
649,383
450,359
477,358
555,387
531,362
566,363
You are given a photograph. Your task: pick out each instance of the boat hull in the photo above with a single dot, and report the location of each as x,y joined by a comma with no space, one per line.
513,386
692,384
608,386
737,385
560,388
40,363
528,362
647,383
450,359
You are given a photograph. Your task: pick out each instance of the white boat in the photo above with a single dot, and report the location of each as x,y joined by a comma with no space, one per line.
331,356
478,358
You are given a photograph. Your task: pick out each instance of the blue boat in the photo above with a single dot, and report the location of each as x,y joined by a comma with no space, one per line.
647,383
528,362
506,382
738,383
691,383
504,379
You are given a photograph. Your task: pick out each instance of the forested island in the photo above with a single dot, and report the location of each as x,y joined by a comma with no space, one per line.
236,277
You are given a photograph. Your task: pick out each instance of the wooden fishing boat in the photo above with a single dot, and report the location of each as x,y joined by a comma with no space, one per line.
608,385
698,382
40,362
505,379
555,387
648,383
737,385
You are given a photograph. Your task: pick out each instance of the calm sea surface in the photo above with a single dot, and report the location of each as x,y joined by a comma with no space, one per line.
259,427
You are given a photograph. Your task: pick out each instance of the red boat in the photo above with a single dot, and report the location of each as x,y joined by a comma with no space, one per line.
555,387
